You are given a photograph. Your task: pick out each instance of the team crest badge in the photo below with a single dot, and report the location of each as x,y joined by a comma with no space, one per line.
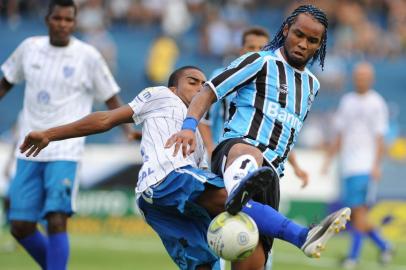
68,71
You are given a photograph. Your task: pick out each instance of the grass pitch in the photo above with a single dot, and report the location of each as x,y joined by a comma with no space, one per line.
102,252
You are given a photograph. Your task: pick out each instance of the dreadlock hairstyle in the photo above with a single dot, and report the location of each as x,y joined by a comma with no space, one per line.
316,13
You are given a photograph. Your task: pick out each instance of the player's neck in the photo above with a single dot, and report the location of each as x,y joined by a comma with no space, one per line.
59,44
286,58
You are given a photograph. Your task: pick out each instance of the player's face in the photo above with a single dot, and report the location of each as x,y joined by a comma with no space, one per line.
363,77
253,43
61,24
189,84
302,39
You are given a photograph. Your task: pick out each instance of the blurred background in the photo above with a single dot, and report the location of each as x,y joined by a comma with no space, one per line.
143,41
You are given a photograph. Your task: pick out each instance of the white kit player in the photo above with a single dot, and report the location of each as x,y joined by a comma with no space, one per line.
63,76
361,123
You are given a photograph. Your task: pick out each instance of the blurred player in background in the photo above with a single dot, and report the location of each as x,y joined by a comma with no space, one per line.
275,91
63,75
177,198
361,124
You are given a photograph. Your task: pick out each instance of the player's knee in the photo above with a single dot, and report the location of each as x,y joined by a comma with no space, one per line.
22,229
240,149
213,200
56,222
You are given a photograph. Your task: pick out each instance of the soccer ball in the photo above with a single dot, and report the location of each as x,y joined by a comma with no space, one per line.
233,237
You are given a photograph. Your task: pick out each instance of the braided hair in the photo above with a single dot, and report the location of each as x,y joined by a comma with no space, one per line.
316,13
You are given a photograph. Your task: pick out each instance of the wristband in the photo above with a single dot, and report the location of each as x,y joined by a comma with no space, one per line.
190,123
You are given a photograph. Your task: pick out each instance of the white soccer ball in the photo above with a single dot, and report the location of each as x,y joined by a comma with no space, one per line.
233,237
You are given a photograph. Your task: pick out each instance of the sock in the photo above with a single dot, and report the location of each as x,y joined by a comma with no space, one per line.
58,251
356,244
36,245
378,240
272,223
242,166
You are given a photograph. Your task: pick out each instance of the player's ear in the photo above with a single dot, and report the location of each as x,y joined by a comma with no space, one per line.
285,30
173,89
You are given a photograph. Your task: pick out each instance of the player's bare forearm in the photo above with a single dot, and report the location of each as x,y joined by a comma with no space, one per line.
332,150
205,131
201,103
5,86
115,102
380,150
94,123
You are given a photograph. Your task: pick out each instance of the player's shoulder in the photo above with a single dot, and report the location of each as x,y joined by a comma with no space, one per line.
85,48
34,41
376,97
311,75
156,93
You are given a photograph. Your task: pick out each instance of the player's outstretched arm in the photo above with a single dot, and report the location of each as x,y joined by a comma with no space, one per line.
96,122
186,137
5,86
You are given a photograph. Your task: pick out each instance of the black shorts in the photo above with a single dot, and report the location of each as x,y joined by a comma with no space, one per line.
269,196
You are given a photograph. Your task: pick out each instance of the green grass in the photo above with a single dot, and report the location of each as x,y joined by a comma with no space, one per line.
146,252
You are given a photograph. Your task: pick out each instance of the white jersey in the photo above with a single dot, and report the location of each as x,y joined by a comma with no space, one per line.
161,114
360,120
61,84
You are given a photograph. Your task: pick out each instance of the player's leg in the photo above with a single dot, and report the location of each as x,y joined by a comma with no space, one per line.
254,262
234,159
26,202
172,210
59,177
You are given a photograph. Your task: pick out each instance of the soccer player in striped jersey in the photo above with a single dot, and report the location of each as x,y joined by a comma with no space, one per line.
275,91
212,124
63,75
361,124
178,200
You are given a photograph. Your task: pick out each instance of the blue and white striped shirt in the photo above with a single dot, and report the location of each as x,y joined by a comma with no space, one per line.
271,103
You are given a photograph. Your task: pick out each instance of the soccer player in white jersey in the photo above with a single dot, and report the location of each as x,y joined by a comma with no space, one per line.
275,91
177,198
63,76
361,124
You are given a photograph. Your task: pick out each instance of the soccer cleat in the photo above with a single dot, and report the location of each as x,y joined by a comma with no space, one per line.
319,235
349,264
386,256
250,185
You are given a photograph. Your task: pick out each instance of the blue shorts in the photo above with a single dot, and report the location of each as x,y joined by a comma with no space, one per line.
170,209
39,188
356,190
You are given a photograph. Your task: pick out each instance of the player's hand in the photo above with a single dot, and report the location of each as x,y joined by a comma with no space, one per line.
376,173
34,142
134,135
186,139
303,176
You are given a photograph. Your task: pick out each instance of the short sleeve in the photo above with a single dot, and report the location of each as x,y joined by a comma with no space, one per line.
13,68
237,73
142,103
104,85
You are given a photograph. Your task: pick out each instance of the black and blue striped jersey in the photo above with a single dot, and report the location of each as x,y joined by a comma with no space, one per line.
272,100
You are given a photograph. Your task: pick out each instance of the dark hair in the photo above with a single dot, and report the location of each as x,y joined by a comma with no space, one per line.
316,13
62,3
175,75
256,30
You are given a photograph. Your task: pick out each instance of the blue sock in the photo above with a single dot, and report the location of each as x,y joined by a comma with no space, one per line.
58,251
378,240
36,245
356,245
272,223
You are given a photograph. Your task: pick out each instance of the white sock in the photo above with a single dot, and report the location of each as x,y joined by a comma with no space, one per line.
242,166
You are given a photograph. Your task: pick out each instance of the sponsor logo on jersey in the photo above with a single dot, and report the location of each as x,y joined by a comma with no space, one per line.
275,111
